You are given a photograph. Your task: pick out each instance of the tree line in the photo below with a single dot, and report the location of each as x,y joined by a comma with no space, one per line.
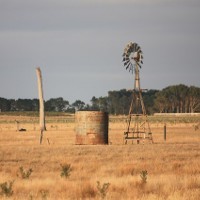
172,99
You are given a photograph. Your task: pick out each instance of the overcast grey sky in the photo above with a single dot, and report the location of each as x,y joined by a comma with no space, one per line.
78,45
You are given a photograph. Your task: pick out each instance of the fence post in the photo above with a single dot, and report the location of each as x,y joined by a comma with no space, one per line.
165,132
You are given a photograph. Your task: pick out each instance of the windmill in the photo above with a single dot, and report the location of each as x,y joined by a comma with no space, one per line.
138,127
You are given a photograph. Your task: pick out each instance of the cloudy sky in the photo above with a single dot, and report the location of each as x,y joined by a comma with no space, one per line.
78,45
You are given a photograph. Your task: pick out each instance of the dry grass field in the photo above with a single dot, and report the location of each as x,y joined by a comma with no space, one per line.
163,170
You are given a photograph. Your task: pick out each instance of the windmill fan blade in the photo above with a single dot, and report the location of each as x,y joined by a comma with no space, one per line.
131,69
126,62
128,66
138,48
125,55
141,57
139,65
125,58
134,47
130,50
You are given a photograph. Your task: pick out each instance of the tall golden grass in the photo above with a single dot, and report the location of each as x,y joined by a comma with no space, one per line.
173,166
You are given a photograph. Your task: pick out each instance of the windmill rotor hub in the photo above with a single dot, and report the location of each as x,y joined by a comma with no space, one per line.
136,56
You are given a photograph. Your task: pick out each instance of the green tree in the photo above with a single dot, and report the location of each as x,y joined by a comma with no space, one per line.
149,101
78,105
5,105
95,103
178,99
13,105
103,104
56,105
35,104
194,99
24,105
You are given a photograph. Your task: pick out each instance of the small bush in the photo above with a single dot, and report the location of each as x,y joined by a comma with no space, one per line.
25,174
44,194
65,170
143,176
102,190
6,188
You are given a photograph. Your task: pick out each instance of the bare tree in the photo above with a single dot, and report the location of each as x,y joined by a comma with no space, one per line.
41,103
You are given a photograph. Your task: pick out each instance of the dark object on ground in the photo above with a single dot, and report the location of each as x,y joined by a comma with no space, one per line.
22,129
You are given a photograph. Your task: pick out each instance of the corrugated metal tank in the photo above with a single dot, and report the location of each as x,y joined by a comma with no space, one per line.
91,127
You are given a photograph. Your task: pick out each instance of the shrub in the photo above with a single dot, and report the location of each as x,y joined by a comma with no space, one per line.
102,190
25,174
65,170
6,188
143,176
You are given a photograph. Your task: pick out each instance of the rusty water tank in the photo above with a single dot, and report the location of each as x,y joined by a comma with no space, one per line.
91,127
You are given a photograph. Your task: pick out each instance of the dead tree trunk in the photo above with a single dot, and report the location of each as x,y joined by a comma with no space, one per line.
41,103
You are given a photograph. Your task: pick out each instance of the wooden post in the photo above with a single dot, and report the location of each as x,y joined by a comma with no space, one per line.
41,103
165,132
17,122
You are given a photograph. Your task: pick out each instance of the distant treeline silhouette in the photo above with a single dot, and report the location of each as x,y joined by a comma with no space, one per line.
172,99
